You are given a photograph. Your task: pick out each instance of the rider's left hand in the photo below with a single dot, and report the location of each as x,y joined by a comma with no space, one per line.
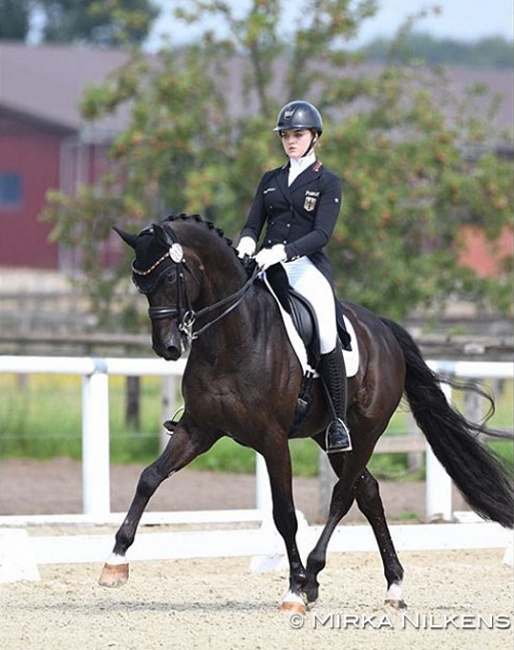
269,256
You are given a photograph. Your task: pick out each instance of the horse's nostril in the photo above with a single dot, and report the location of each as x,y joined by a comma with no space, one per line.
173,353
170,352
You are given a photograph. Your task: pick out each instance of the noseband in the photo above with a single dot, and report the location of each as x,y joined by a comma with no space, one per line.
183,310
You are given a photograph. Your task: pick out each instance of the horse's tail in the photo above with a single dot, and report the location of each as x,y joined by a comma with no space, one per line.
483,479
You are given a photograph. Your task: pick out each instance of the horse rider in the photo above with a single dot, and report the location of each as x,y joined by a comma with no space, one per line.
299,203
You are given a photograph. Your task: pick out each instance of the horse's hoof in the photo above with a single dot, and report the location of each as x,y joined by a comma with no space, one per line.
114,575
396,604
293,608
293,604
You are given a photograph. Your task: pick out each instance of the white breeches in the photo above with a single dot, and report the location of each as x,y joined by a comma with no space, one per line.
305,278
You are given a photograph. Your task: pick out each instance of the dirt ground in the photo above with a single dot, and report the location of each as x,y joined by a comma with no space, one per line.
53,487
458,600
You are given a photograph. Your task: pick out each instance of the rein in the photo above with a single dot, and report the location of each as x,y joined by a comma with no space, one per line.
187,315
237,296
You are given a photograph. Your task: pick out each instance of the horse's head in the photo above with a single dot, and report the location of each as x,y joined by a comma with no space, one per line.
188,271
170,276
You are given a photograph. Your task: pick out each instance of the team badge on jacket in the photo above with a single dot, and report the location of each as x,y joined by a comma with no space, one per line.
311,198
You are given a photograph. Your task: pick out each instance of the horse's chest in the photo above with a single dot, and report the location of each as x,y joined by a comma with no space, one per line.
223,397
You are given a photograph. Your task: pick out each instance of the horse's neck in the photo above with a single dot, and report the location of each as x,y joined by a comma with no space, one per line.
247,326
222,278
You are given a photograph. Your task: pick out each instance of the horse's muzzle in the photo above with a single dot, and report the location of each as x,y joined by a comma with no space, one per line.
170,353
167,343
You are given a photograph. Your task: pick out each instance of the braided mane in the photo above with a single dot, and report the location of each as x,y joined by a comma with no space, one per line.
153,249
198,219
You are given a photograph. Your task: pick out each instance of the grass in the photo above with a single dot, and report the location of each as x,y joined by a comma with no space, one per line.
40,417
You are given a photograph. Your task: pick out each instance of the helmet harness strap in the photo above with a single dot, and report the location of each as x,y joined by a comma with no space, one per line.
314,139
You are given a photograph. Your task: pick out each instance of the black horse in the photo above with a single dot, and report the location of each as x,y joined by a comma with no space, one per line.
243,380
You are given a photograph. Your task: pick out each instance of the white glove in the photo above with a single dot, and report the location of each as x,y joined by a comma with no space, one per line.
246,246
269,256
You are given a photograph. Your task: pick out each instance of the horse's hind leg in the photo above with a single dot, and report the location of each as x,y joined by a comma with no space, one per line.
343,496
370,504
183,446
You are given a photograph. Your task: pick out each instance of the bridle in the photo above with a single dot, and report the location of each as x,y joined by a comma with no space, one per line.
183,310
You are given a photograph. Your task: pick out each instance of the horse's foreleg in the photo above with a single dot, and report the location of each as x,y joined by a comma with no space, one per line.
116,569
370,504
181,449
284,516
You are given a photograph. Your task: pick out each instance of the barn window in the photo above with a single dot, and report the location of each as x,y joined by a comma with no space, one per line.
10,190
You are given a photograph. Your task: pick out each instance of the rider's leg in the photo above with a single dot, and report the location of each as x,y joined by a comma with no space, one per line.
333,374
311,283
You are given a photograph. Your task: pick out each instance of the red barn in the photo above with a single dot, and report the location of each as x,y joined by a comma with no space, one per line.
43,144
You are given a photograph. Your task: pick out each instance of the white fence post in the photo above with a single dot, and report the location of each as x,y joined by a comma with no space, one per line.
263,499
438,486
95,441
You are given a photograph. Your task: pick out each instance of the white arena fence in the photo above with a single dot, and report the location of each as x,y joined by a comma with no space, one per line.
95,436
21,555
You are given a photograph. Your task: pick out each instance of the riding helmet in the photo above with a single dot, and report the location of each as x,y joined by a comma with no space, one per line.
299,115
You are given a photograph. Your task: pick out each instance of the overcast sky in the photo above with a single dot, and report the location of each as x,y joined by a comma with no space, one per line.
467,20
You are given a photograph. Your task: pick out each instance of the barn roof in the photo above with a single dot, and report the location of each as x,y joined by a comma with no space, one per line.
44,84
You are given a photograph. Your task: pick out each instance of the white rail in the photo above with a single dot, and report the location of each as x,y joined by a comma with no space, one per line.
95,411
95,422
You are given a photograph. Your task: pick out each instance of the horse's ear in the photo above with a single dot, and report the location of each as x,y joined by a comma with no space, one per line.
127,237
163,234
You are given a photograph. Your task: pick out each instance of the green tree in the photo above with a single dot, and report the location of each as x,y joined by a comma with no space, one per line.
96,22
491,52
200,137
14,19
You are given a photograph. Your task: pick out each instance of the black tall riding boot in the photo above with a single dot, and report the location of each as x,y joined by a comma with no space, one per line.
333,375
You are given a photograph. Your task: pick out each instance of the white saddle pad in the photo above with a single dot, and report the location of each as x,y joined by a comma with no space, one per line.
351,357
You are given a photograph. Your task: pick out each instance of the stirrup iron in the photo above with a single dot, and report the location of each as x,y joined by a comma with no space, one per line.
344,443
170,425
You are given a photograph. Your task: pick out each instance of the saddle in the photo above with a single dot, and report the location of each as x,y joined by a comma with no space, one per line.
303,315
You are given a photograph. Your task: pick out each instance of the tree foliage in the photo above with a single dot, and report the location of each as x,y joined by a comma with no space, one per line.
490,52
96,22
14,19
200,137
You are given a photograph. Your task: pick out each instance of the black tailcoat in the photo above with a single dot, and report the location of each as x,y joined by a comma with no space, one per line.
301,216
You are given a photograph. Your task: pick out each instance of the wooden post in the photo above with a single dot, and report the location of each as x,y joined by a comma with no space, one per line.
326,480
132,402
168,406
414,458
473,407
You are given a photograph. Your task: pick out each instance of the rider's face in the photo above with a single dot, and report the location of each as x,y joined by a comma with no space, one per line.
296,142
